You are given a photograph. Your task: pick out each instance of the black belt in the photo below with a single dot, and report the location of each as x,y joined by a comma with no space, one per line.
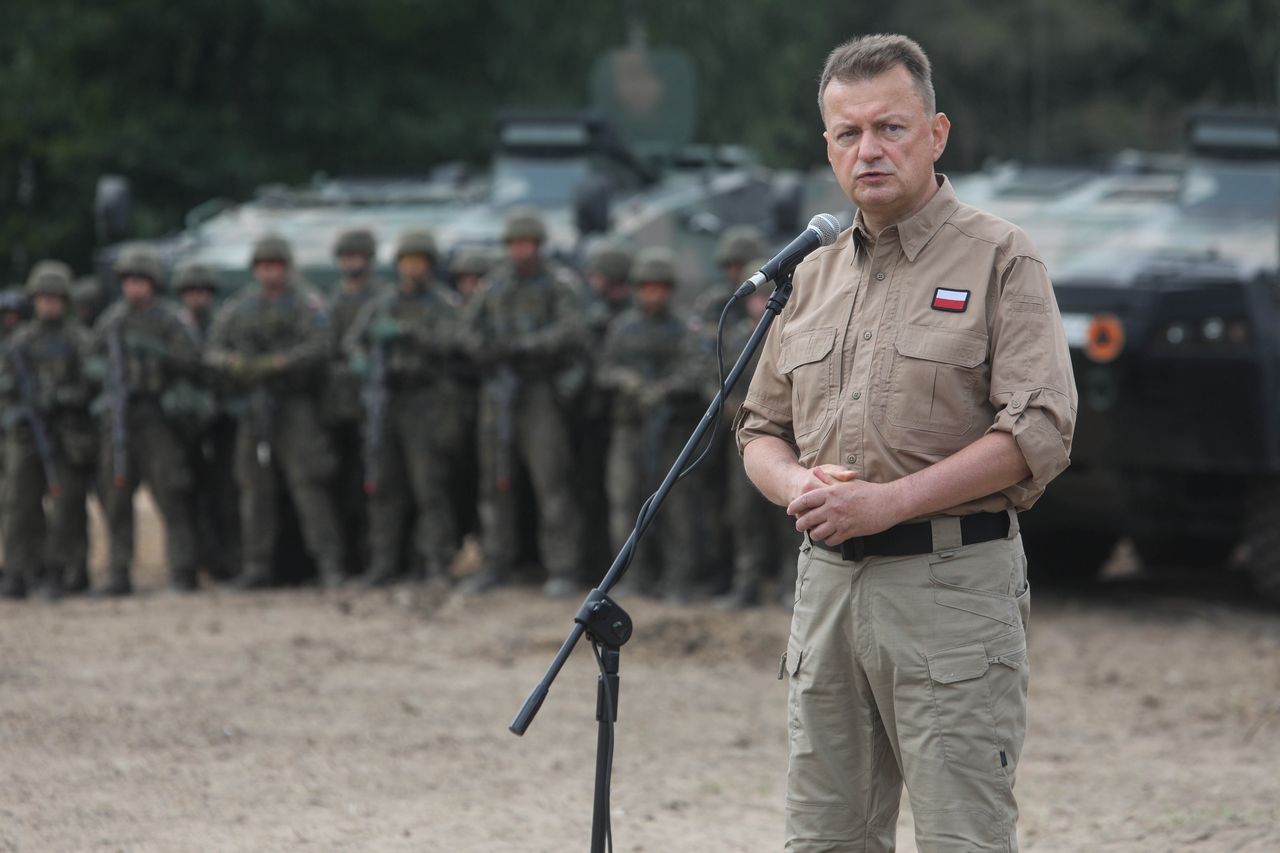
908,539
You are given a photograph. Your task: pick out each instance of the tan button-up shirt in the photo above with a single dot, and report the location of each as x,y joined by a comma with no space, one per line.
900,349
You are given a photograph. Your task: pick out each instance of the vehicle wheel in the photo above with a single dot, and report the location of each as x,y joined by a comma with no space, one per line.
1164,553
1061,557
1262,545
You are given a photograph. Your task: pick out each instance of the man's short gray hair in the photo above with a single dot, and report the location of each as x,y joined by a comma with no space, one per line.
865,57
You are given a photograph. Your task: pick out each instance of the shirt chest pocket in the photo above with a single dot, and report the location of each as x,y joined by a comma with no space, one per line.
806,358
936,386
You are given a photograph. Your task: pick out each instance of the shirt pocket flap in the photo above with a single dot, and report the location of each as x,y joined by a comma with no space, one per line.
958,664
950,346
804,347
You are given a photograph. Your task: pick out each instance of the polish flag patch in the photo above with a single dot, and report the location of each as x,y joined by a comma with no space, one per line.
950,300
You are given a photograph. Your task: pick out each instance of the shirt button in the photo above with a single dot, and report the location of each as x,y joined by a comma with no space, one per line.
851,458
857,395
879,276
866,336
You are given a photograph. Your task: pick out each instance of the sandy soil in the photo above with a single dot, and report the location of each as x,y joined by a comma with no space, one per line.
302,720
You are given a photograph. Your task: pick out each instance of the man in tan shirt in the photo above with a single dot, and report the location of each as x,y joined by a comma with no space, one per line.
913,396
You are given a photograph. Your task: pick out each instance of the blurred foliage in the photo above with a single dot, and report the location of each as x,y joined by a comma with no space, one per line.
211,98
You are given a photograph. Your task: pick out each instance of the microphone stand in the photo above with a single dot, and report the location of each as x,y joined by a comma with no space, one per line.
606,623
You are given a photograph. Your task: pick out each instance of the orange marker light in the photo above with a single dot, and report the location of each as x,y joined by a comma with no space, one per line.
1104,340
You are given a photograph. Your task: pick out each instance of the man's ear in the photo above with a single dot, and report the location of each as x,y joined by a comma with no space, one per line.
941,130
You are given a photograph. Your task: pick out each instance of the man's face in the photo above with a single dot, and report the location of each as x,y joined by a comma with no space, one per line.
653,295
353,265
272,275
137,291
882,145
197,300
50,307
413,269
523,253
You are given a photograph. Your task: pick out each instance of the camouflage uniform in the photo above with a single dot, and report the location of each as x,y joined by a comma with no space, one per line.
607,263
656,369
414,334
53,353
148,350
764,537
274,348
342,408
464,472
214,503
527,327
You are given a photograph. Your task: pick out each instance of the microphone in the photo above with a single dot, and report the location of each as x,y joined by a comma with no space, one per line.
822,231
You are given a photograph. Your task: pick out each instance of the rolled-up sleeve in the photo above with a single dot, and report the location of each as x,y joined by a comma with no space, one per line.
1033,390
767,408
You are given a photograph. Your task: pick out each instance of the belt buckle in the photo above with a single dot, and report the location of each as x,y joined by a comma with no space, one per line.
854,549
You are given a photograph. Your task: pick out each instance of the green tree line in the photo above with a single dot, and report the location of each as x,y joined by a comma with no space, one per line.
210,98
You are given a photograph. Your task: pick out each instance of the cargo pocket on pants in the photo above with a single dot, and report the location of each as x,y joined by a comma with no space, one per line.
979,701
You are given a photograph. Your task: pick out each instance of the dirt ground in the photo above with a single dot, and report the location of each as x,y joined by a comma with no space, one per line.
308,720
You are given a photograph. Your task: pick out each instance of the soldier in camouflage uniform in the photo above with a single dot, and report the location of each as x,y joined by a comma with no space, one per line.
466,274
608,268
764,537
142,348
467,271
214,503
738,246
526,329
654,365
272,341
355,253
407,340
43,380
87,300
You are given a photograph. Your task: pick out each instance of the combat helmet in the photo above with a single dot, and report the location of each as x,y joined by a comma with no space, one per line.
524,223
142,264
655,263
418,243
359,241
610,259
471,260
272,247
193,277
740,244
50,278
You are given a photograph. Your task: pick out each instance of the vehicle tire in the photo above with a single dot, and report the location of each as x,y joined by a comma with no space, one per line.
1172,553
1067,557
1262,544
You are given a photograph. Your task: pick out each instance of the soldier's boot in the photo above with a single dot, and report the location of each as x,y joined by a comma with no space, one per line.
380,573
14,585
254,576
332,573
745,593
51,585
489,577
183,579
118,584
559,588
77,579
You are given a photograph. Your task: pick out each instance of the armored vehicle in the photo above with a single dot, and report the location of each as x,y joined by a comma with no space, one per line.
627,166
1167,282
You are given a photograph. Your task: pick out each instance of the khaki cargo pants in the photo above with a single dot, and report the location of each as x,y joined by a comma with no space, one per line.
908,669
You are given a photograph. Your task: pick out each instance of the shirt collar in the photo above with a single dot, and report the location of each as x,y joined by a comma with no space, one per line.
917,230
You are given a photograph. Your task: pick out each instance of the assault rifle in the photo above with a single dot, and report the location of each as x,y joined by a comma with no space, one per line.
118,400
29,411
374,396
